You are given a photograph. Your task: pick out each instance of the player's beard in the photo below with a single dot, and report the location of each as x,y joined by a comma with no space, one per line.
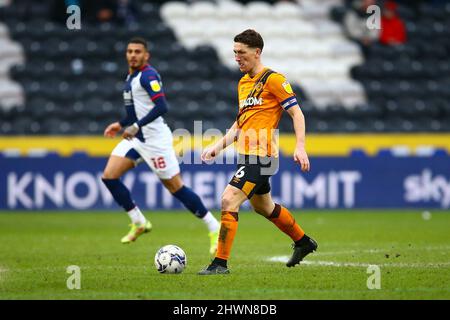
135,64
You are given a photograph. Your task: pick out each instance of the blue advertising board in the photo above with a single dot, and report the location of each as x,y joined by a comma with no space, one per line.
356,181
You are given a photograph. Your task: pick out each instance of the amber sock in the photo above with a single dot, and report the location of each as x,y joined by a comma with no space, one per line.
284,220
228,227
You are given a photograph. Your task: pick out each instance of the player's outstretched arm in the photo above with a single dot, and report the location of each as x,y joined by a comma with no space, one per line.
212,151
112,130
298,120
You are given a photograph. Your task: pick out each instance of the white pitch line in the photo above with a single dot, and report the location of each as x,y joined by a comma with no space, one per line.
2,272
402,247
332,253
285,259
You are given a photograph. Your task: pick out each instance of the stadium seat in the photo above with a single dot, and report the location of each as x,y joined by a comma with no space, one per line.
79,74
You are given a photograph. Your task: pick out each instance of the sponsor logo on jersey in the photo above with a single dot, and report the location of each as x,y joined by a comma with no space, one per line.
155,85
287,87
249,102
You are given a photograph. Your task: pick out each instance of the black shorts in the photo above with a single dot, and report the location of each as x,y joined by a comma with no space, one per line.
253,174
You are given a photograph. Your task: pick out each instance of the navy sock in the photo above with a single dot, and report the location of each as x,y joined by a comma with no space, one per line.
120,193
191,201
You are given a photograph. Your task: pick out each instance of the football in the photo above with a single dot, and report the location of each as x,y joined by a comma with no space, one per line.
170,259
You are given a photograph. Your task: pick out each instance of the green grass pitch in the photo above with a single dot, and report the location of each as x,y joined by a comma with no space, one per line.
413,254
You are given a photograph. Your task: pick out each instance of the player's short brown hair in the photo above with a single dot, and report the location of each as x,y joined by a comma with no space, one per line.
139,40
251,38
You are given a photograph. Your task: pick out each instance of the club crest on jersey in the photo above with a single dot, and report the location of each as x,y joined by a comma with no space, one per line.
251,101
155,85
287,87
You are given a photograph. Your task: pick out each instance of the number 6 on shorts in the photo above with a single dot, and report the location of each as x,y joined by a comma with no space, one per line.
240,173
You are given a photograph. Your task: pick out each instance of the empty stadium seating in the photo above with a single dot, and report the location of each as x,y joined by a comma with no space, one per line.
410,83
72,80
300,41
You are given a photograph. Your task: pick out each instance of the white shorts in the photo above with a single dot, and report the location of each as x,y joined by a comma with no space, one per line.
160,158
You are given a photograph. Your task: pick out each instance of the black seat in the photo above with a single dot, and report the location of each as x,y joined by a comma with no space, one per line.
204,53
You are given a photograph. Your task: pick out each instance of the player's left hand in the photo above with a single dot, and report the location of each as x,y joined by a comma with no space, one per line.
112,130
301,158
130,132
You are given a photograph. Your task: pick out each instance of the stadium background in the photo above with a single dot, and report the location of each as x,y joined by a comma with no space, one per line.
377,114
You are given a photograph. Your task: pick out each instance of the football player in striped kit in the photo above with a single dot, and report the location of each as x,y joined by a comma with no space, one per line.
146,137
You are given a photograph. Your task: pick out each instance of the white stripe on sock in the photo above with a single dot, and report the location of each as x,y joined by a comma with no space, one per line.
211,222
136,216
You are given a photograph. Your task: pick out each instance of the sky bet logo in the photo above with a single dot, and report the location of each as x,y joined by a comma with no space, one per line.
250,102
427,188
